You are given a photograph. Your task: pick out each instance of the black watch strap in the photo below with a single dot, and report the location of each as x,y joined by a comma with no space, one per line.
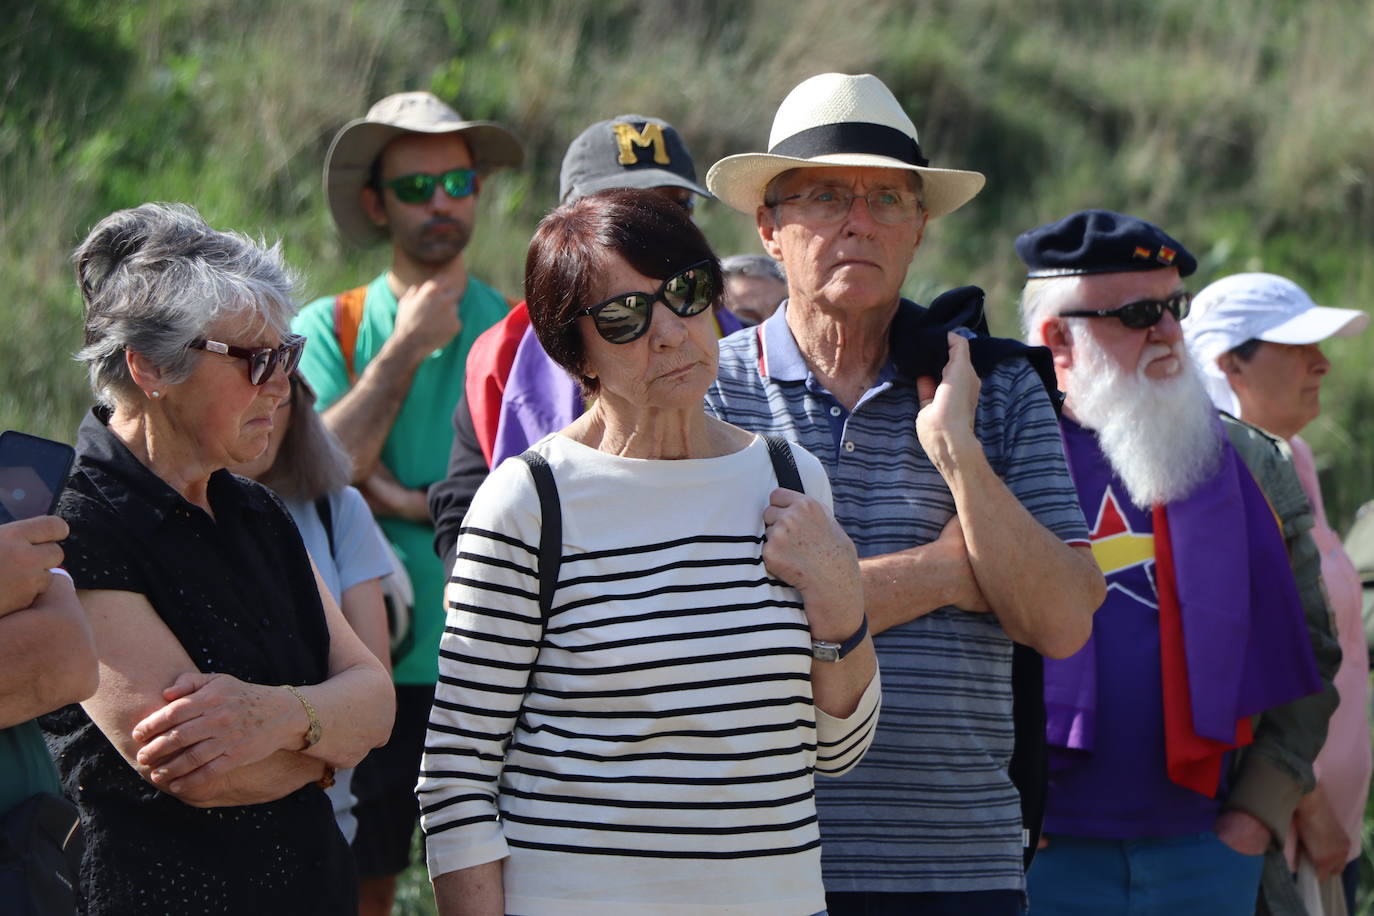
834,651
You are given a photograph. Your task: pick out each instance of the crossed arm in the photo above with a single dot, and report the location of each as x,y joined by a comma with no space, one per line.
993,555
211,739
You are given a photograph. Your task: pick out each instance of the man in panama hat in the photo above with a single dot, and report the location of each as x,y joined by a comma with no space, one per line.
954,490
387,362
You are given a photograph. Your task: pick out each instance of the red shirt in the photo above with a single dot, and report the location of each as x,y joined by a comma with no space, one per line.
489,362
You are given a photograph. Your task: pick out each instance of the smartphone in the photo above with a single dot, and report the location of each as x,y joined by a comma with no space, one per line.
33,471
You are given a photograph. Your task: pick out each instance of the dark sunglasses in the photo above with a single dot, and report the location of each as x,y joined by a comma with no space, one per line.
418,188
1141,314
262,361
623,318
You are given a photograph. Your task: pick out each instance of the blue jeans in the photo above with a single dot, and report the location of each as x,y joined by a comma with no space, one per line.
1147,876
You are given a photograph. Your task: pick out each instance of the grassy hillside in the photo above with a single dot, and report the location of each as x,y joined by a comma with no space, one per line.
1242,126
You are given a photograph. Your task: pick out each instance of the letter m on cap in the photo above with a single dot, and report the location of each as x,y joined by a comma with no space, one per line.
628,138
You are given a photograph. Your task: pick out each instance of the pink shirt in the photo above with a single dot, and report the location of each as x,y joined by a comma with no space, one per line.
1343,766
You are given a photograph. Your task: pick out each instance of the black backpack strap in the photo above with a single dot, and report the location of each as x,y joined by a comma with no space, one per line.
326,514
550,531
1030,766
784,463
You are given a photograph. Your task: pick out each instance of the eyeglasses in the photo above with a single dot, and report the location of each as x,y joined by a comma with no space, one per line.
830,205
1141,314
262,361
418,188
623,318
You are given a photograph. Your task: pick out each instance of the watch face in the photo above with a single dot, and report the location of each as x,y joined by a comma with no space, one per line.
825,651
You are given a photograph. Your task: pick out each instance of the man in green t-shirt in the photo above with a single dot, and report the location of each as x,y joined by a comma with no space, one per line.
387,362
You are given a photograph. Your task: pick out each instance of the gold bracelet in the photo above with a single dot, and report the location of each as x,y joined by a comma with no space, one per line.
312,734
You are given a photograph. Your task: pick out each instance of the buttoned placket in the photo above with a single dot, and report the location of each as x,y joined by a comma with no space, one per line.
838,419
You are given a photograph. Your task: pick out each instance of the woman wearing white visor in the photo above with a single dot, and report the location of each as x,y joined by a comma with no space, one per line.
1257,338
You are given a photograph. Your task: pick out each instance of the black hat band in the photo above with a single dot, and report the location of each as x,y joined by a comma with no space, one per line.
851,137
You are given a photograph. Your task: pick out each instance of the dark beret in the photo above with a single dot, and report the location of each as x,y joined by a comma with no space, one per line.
1100,242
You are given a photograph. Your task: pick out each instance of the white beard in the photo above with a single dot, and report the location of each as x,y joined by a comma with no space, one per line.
1160,437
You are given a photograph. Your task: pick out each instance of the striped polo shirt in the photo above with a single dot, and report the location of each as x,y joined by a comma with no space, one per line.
930,808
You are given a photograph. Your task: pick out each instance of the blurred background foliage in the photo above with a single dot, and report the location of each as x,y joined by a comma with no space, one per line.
1244,127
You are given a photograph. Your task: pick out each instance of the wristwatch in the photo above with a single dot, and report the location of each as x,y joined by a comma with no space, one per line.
312,734
823,651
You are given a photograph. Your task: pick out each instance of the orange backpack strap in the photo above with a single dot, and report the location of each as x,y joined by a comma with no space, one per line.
348,315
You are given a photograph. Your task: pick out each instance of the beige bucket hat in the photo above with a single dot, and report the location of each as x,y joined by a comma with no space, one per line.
839,119
357,145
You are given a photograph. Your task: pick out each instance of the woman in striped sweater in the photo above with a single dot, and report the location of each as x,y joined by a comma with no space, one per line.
644,742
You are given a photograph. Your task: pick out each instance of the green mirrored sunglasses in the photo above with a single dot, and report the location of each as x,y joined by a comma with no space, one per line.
419,187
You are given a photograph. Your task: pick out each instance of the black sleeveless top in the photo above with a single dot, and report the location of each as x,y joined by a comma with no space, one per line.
238,594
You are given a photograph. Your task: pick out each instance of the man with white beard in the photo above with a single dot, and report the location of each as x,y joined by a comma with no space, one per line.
1183,733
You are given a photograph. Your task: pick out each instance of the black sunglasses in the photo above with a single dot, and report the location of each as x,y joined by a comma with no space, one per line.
623,318
1141,314
262,361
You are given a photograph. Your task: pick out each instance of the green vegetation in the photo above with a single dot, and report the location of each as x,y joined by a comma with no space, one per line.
1243,127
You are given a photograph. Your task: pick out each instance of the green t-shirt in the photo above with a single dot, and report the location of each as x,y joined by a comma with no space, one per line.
25,767
417,450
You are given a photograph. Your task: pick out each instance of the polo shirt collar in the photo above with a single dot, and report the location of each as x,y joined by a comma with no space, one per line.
780,358
139,496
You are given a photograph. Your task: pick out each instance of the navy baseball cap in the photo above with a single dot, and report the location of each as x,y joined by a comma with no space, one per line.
628,151
1100,242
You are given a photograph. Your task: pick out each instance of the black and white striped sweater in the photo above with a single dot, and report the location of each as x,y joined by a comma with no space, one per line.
652,748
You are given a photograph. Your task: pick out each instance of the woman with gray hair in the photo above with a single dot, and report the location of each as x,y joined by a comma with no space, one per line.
231,687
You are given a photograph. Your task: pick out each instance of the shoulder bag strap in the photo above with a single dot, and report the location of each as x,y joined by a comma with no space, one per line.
326,514
550,531
784,463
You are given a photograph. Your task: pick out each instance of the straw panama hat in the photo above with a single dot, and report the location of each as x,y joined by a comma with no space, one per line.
839,119
355,147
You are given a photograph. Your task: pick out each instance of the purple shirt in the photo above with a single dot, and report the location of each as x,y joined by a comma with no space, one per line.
540,398
1121,788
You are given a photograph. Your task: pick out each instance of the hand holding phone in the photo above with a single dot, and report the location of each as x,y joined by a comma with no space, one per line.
33,471
28,550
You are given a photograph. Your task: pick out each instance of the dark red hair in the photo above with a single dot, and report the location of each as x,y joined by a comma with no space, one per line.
570,250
